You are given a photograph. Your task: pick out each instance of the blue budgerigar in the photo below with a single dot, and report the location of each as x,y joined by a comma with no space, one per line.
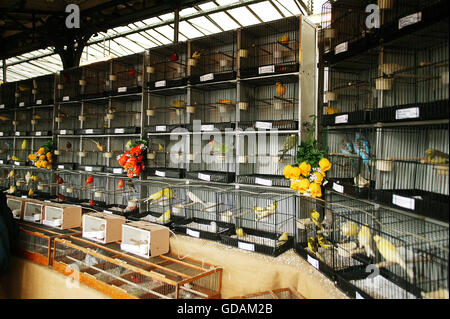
362,148
347,149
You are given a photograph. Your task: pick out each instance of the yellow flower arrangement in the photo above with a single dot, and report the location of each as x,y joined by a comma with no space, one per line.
305,169
316,190
43,158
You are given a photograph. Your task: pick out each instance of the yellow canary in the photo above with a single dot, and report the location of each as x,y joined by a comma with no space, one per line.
240,232
196,55
281,89
35,178
179,103
11,174
282,239
160,147
390,253
4,118
315,217
164,218
262,212
37,117
364,239
15,158
100,147
312,246
325,244
30,192
24,145
349,229
128,145
28,177
285,39
168,193
23,88
155,196
11,190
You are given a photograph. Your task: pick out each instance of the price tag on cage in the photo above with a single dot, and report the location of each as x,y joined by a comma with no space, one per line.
246,246
264,182
60,166
192,233
341,119
207,128
22,104
358,296
17,133
409,113
1,162
1,133
338,188
24,196
122,89
89,131
264,125
341,48
409,20
17,163
66,98
160,174
38,102
88,168
119,131
63,132
266,69
204,177
47,201
2,106
117,171
160,84
314,262
405,202
161,128
38,133
207,77
108,212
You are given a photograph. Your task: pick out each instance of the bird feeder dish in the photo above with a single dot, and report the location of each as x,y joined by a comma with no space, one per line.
331,96
108,155
60,86
384,165
110,116
150,70
150,112
81,118
243,106
82,154
82,82
243,53
329,33
192,62
382,84
113,77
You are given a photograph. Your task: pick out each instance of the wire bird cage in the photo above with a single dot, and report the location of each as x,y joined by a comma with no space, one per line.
90,154
67,118
201,206
167,109
158,203
281,293
68,85
94,82
270,48
167,155
41,123
262,157
127,74
271,103
168,66
351,153
214,106
212,156
22,122
67,151
213,58
23,93
6,121
120,275
263,220
123,115
35,91
7,96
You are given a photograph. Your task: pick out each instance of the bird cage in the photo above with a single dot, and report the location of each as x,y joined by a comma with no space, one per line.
411,169
123,115
22,122
167,155
212,156
62,216
35,179
102,228
33,211
94,82
122,275
263,156
67,151
23,93
202,209
281,293
214,106
213,58
269,104
43,88
68,85
92,190
41,123
6,121
120,195
264,221
127,74
412,77
270,48
351,153
66,184
7,95
145,239
92,117
67,118
168,66
384,254
16,204
91,154
167,109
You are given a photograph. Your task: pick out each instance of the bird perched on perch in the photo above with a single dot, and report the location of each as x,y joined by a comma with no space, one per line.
218,147
24,145
120,184
164,218
362,148
4,118
30,192
281,89
262,212
347,149
28,177
391,254
196,55
195,199
437,157
160,147
11,190
283,239
179,103
240,232
313,248
99,146
365,240
168,193
11,174
285,39
155,196
349,229
173,57
289,143
89,181
325,244
59,180
68,145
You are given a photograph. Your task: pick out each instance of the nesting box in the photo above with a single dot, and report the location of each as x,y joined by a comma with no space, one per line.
102,227
145,239
33,211
62,216
16,205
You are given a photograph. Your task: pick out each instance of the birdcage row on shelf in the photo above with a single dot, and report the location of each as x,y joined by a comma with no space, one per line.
373,252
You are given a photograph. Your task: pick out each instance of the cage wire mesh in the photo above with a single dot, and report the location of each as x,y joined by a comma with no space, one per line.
68,88
67,150
40,125
95,81
270,48
128,74
34,245
168,66
67,118
123,115
8,98
7,118
22,122
166,109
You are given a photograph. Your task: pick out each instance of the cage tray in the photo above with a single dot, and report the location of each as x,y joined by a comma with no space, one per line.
199,228
356,117
347,186
168,84
277,69
411,112
123,130
165,128
120,210
167,172
89,131
212,176
89,168
41,133
264,180
65,132
287,125
127,90
217,77
67,166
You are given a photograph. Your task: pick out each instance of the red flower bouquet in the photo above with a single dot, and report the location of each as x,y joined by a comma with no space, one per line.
133,161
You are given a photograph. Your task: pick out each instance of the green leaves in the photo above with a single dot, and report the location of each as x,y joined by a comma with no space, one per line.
49,146
308,150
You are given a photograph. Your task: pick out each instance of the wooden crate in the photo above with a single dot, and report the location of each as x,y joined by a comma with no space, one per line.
62,216
103,228
16,204
33,211
145,239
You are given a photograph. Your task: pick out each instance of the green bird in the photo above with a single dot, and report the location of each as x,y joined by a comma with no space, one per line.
218,147
289,143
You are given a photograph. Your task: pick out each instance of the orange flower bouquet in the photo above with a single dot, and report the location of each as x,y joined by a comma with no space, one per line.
133,161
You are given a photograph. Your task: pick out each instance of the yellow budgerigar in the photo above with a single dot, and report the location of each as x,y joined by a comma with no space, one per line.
365,240
391,254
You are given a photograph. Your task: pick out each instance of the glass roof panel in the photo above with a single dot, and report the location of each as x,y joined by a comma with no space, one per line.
189,30
244,16
208,5
204,25
222,19
266,11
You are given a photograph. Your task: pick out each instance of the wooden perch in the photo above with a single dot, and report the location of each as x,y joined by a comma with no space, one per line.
227,55
282,99
243,213
256,46
212,206
344,155
285,45
259,218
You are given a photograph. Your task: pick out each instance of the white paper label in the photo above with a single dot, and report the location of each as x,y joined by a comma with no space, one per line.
266,69
160,84
411,113
343,47
358,296
122,89
207,77
17,133
22,104
119,131
63,132
66,98
117,171
2,106
24,196
246,246
313,262
263,125
108,212
409,20
47,201
207,128
404,202
39,102
89,131
204,177
88,168
38,133
17,163
161,128
1,133
1,162
341,119
264,182
61,166
338,188
192,233
161,174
